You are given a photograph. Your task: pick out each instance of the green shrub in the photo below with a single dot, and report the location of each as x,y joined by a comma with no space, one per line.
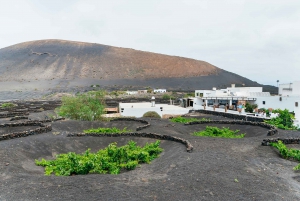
167,97
211,131
186,120
287,153
109,160
283,121
88,106
117,93
107,130
249,107
189,95
152,114
8,105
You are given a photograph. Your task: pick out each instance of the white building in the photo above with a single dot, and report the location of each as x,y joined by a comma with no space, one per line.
290,89
139,109
229,96
159,90
131,92
289,98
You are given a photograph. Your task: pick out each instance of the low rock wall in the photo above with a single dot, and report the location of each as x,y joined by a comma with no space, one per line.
230,115
273,130
42,129
189,147
13,114
266,142
18,118
136,120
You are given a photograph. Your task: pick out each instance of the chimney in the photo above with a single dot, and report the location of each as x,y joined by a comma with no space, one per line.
214,88
153,101
232,85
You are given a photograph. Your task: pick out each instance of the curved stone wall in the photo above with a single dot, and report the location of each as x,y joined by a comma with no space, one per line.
273,130
136,120
266,142
230,115
18,118
189,147
42,129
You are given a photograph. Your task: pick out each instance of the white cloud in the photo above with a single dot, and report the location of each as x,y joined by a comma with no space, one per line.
256,39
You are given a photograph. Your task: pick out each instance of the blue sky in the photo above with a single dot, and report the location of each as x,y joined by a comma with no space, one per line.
256,39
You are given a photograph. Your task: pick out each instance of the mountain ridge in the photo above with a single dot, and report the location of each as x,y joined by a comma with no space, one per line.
68,60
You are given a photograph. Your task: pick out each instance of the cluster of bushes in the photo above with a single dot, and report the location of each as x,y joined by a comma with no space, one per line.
186,120
109,160
117,93
107,130
8,105
250,107
187,95
283,121
152,114
211,131
287,153
88,106
168,97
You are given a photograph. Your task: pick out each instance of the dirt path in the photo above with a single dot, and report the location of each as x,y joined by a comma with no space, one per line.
218,169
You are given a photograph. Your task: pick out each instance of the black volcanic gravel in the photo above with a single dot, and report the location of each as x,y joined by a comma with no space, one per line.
218,169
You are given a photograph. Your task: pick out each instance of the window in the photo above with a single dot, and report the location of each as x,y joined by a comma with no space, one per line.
197,94
201,94
296,104
280,99
264,102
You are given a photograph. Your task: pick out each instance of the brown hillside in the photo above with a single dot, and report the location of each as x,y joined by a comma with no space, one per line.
47,59
48,64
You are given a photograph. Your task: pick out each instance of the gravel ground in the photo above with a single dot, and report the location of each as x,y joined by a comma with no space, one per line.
217,169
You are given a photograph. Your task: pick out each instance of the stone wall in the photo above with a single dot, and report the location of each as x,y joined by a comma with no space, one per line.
273,130
42,129
18,118
13,114
230,115
189,147
136,120
266,142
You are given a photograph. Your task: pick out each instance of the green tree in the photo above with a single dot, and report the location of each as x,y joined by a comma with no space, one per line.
88,106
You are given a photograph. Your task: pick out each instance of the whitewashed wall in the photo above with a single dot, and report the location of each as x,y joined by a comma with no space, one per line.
138,112
198,103
275,103
296,88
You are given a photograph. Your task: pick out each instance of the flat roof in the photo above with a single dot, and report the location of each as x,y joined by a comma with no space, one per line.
226,98
148,105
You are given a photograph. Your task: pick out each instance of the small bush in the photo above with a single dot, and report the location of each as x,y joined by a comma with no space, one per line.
107,130
152,114
211,131
189,95
167,97
109,160
8,105
249,107
287,153
186,120
117,93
